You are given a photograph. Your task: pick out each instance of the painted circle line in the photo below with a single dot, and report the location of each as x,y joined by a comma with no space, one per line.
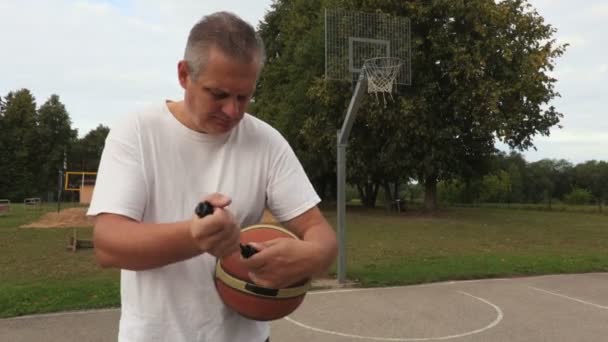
499,316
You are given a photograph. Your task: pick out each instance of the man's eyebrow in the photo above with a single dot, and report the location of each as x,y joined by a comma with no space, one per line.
221,92
216,91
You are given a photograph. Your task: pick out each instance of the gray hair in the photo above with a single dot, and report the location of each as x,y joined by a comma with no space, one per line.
227,32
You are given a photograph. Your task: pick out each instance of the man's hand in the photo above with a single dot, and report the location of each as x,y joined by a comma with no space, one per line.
284,262
281,262
217,233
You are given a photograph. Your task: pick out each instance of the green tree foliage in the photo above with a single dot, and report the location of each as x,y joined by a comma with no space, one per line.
293,34
593,176
513,180
35,142
496,187
480,73
19,142
55,134
578,196
546,176
85,153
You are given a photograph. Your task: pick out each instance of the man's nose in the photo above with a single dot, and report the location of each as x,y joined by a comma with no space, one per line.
231,107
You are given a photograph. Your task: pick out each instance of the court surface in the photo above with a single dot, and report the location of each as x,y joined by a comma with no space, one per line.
547,308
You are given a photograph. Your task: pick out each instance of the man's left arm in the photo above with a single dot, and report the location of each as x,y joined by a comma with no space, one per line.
312,227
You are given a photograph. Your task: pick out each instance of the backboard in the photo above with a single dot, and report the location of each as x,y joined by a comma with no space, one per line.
351,38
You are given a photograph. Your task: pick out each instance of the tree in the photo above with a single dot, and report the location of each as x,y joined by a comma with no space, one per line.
542,179
20,168
293,95
480,73
55,135
85,153
578,196
495,187
293,33
593,176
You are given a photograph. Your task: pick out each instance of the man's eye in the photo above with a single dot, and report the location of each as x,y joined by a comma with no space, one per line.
218,95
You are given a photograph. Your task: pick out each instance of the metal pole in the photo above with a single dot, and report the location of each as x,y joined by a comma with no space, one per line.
59,184
342,142
341,170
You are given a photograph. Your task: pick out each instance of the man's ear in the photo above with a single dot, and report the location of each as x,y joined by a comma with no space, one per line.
182,73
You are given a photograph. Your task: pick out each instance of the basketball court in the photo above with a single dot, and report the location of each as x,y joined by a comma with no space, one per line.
547,308
372,52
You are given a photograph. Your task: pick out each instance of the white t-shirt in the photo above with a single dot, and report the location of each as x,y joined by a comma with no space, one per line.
154,169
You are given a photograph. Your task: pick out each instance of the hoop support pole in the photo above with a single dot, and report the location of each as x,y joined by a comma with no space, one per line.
342,143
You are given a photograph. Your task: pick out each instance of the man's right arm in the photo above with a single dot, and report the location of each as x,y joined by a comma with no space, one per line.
128,244
124,243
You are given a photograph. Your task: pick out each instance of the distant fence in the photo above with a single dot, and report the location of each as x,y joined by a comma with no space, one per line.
5,206
32,203
556,206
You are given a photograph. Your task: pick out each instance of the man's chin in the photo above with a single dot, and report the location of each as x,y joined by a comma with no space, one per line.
220,128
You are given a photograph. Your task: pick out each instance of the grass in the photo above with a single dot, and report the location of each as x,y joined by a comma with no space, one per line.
469,243
37,273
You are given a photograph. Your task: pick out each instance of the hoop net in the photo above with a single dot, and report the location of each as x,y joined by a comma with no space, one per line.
381,73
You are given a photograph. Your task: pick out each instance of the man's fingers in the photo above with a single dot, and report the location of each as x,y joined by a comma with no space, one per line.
257,245
224,250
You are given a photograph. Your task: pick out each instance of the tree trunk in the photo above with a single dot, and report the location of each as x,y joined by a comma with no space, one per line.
388,195
368,193
430,193
392,196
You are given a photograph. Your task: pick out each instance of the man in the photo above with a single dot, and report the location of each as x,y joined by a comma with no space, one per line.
160,163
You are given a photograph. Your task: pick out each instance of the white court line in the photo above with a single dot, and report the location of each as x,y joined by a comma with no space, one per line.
499,316
570,298
444,283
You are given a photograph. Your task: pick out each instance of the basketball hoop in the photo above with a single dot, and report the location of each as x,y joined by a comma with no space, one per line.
381,73
375,50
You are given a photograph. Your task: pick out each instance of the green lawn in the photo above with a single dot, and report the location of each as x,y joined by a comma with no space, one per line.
38,274
468,243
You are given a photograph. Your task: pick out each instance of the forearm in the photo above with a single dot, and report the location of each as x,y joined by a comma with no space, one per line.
325,242
312,227
127,244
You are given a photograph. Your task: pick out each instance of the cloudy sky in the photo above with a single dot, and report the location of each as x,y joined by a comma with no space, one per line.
105,58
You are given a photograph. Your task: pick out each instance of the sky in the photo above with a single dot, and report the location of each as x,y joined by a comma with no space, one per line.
106,58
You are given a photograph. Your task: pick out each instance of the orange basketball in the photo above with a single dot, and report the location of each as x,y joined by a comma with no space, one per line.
250,300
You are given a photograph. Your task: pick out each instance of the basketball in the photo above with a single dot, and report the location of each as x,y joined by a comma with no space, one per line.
237,290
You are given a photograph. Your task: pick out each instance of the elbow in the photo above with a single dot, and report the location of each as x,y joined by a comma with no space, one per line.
103,256
332,244
103,259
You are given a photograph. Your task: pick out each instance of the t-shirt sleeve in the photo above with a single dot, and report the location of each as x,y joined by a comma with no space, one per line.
290,192
120,185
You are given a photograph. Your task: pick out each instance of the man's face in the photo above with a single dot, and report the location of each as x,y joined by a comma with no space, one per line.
216,101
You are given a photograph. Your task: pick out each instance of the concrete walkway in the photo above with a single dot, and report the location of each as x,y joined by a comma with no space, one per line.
552,308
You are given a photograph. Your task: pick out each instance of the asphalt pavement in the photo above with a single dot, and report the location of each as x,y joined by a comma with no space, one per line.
553,308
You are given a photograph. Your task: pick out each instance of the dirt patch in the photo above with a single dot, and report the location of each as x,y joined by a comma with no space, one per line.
71,217
76,217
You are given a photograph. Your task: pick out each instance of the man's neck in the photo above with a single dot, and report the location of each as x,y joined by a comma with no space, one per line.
179,112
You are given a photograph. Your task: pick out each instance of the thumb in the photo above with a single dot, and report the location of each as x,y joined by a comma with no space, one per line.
218,200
